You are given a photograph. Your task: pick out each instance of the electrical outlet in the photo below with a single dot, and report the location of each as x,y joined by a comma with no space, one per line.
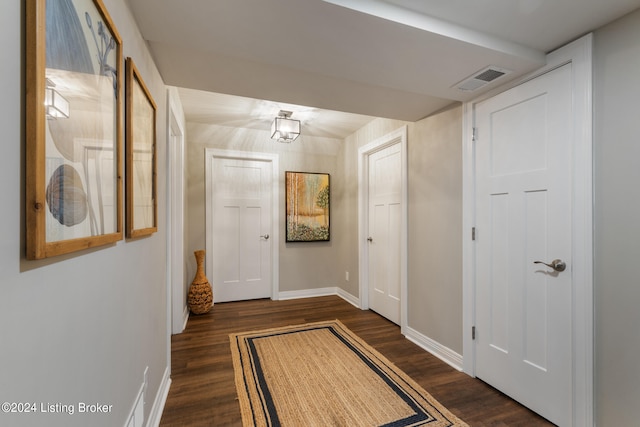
346,276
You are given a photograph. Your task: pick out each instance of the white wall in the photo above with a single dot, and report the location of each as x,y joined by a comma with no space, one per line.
617,213
435,232
302,265
79,327
434,282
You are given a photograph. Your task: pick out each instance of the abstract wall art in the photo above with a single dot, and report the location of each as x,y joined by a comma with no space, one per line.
142,205
73,127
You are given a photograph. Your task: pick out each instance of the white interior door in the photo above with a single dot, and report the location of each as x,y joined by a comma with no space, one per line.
384,238
241,229
524,200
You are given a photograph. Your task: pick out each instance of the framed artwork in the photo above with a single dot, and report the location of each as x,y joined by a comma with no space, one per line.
73,127
308,206
140,125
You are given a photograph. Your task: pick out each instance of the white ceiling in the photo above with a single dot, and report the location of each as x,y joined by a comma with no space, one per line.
398,59
250,113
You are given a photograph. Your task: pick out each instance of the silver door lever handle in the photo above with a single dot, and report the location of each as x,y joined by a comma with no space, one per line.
556,264
265,236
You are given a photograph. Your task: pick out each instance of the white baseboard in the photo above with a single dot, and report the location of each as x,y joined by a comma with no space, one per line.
307,293
185,315
348,297
161,398
443,353
320,292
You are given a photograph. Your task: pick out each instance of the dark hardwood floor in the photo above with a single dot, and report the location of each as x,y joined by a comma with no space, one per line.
203,391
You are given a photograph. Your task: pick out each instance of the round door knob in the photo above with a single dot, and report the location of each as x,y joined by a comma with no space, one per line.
265,236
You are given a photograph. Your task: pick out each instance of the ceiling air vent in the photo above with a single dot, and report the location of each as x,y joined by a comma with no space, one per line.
481,78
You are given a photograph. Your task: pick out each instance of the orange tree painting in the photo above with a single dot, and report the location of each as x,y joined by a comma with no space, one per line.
308,201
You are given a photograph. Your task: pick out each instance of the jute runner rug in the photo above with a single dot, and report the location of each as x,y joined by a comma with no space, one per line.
322,374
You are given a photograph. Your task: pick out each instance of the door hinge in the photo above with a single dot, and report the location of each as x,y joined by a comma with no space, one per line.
473,233
473,332
474,134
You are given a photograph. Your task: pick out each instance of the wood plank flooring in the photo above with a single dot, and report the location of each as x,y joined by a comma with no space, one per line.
203,391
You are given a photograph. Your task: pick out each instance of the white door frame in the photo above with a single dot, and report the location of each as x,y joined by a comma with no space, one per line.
579,54
176,274
274,241
398,136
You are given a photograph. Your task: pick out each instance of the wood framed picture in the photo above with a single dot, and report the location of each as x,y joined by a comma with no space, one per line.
140,125
307,206
73,127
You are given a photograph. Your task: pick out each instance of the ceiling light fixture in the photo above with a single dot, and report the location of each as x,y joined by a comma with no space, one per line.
285,129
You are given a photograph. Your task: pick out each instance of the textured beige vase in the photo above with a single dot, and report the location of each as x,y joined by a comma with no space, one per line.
200,298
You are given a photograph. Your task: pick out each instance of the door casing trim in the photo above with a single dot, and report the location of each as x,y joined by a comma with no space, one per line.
579,54
399,136
178,312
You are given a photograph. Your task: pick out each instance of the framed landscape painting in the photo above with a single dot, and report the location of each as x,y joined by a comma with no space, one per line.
307,206
73,127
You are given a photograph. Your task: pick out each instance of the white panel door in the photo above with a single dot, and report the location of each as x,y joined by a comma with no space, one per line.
241,209
385,220
524,205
